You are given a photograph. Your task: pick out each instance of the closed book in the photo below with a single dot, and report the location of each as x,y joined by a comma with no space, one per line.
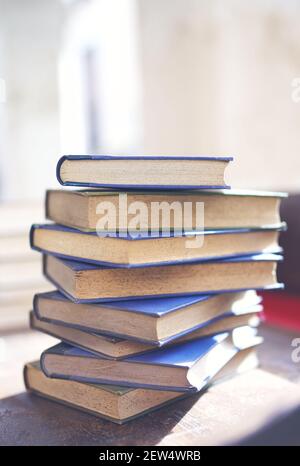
151,172
152,248
115,403
120,404
185,367
150,321
223,209
113,347
85,283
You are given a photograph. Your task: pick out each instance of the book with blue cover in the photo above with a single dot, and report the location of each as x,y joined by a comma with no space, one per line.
115,403
186,367
224,209
84,283
114,347
153,248
140,171
147,322
121,404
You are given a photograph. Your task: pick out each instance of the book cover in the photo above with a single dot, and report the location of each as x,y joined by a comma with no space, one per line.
156,307
151,236
77,266
184,355
78,395
137,158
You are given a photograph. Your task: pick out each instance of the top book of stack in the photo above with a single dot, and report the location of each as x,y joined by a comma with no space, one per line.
143,172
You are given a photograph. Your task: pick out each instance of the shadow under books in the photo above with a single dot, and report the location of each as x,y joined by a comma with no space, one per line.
26,419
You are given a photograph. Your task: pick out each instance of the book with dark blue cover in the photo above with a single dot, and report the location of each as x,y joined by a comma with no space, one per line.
155,307
115,403
235,304
88,283
184,367
143,172
223,208
124,250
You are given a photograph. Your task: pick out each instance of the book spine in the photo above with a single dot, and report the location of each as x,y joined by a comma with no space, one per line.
47,200
25,377
35,306
31,233
58,168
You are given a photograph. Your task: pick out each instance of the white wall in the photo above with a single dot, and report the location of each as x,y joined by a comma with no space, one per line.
30,33
217,79
107,29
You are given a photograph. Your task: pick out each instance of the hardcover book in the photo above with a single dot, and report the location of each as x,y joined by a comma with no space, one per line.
90,283
185,367
151,321
224,209
113,347
151,172
151,248
120,404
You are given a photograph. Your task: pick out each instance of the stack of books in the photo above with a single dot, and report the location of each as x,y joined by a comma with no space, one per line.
156,265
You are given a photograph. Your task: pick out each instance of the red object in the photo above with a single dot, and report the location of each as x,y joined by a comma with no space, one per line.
282,309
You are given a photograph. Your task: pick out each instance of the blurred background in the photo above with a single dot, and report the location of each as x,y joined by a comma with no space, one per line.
139,76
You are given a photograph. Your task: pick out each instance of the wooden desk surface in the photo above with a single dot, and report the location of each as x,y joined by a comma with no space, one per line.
224,414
